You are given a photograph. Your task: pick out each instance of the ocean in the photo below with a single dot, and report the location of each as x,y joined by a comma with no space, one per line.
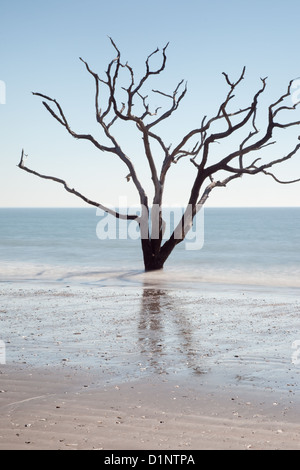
254,246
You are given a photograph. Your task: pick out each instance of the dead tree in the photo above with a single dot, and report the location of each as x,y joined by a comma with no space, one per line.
195,145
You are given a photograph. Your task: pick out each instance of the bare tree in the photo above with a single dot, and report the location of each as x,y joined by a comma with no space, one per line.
195,145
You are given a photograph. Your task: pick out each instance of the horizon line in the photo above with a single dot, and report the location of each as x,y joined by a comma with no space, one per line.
138,205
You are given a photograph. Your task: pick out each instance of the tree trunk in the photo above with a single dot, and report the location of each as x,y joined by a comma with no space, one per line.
152,261
156,261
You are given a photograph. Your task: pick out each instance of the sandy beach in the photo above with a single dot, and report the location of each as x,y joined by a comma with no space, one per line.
137,367
150,227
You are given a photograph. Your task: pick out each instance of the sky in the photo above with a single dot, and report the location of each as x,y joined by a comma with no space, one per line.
40,46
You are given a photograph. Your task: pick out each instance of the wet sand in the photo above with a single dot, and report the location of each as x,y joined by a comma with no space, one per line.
148,367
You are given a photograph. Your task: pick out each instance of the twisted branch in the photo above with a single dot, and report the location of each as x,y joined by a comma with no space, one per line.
74,191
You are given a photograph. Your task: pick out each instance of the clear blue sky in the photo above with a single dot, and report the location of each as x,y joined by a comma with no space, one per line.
40,46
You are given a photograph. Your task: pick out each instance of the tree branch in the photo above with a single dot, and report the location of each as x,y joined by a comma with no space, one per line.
75,192
116,149
63,121
264,141
222,114
213,185
174,106
254,170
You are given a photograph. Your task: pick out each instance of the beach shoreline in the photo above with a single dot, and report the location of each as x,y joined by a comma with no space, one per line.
148,367
64,411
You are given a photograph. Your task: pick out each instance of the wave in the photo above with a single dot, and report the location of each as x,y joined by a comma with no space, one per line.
170,276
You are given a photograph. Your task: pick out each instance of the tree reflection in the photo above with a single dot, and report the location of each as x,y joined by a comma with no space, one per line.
167,337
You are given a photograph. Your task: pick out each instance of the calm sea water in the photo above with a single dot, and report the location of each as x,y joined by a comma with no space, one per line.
241,245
